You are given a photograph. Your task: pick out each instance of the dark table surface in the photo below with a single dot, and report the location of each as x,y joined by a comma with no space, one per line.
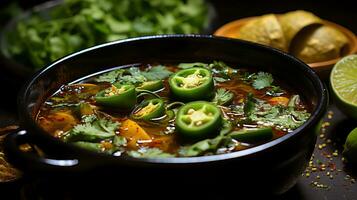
335,180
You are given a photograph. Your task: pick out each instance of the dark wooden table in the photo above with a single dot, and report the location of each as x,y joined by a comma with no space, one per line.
314,184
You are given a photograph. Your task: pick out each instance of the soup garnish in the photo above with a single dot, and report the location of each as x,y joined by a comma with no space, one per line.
173,110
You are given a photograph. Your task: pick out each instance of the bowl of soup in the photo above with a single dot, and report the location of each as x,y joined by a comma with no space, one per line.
180,108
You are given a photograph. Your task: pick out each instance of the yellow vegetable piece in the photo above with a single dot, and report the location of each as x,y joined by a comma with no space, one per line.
279,101
133,133
57,121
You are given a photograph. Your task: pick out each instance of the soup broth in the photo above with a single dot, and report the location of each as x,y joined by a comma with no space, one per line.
173,110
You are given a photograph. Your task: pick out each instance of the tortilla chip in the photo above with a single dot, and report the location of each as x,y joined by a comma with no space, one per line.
264,30
293,22
319,44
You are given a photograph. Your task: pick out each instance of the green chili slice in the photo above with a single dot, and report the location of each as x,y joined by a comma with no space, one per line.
198,120
151,85
192,84
149,109
117,96
253,135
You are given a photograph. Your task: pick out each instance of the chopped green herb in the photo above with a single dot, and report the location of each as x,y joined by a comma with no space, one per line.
262,80
111,76
97,130
88,118
74,25
219,79
201,147
249,105
222,71
284,118
274,91
226,127
281,117
156,73
222,97
149,153
119,141
135,76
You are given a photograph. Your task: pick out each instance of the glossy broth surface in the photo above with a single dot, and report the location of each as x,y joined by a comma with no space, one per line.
254,109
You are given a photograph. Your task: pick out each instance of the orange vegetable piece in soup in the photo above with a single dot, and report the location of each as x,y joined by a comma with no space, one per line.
133,133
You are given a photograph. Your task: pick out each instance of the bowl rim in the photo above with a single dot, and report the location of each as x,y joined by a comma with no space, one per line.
322,65
26,118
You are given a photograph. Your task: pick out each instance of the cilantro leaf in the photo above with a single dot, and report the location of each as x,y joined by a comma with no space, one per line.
249,105
285,118
107,125
217,145
111,76
149,153
75,25
275,91
158,72
99,129
201,147
119,141
262,80
88,118
222,72
223,97
134,75
220,79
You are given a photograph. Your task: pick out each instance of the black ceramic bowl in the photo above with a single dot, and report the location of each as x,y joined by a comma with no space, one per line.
273,167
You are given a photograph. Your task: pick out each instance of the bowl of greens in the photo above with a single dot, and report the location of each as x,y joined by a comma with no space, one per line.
57,28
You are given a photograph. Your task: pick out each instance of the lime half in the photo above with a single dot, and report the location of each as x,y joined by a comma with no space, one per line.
350,148
343,81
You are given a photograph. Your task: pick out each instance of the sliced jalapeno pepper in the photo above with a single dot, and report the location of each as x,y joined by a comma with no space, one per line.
253,135
117,96
192,84
151,85
149,109
198,119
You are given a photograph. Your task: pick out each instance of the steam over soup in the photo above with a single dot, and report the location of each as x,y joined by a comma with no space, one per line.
173,110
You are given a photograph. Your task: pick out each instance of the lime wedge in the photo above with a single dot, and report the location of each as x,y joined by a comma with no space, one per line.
343,81
350,148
